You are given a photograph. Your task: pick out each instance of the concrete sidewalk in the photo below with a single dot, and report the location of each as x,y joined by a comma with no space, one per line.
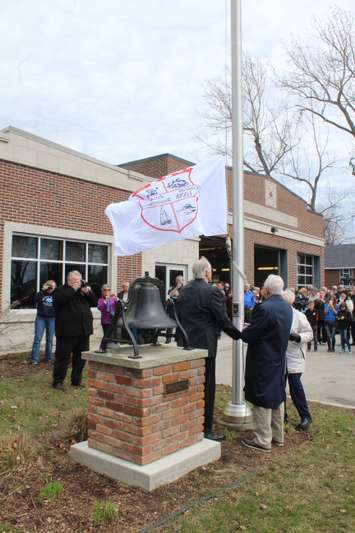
329,377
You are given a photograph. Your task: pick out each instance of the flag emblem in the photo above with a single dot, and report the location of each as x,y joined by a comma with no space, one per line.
171,203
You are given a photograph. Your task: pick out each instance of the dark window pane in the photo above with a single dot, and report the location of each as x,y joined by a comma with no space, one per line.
52,271
309,260
75,251
97,253
97,276
24,246
301,269
301,259
309,270
160,273
51,249
72,266
23,283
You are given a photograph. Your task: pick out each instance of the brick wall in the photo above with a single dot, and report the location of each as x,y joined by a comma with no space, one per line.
131,416
34,196
332,277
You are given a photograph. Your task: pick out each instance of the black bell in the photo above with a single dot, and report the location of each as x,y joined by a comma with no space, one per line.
145,308
145,312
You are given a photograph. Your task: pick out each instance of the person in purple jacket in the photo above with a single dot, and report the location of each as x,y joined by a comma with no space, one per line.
107,306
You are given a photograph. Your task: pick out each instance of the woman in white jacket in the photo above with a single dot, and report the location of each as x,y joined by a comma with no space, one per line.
301,333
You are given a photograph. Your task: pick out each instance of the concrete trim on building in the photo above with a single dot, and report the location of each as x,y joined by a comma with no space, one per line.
30,150
44,231
287,233
270,214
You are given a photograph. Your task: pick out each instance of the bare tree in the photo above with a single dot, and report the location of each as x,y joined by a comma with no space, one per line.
307,162
323,78
267,127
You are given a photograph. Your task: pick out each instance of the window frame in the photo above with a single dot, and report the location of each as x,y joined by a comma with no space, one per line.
309,261
39,260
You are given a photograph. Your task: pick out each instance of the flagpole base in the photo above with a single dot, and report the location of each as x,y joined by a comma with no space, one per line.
237,416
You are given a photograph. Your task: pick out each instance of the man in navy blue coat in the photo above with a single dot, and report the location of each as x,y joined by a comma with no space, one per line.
267,337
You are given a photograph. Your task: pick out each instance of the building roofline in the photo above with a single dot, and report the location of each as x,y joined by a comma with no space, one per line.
160,156
17,131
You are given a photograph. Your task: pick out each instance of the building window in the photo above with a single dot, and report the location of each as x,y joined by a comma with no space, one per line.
345,277
306,270
36,259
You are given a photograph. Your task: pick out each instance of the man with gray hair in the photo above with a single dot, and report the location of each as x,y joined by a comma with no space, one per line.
73,326
202,311
265,373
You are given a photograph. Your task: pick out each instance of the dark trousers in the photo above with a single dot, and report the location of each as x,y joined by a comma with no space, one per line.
64,348
352,325
105,329
321,333
298,396
330,329
210,389
344,338
315,333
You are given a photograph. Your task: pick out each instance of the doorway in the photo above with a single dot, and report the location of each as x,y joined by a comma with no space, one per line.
269,261
167,273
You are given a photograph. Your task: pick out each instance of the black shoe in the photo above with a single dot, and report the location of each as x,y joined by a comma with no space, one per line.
303,425
249,443
58,386
213,435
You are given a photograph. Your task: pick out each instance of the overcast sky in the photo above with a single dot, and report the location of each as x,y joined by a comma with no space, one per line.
121,80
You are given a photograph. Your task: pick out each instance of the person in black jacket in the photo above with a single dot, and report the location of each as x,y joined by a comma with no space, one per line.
44,321
312,317
202,311
73,327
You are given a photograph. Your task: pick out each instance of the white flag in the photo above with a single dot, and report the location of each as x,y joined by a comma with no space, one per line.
181,205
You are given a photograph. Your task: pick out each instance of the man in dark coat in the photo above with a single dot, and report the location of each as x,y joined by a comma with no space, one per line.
267,337
202,311
73,326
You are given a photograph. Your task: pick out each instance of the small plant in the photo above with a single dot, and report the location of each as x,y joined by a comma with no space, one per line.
15,450
4,527
229,435
105,512
51,490
76,427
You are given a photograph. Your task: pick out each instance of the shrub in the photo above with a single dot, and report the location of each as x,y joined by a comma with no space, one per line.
105,512
76,426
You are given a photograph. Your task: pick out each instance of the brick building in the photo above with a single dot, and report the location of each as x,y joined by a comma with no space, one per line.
339,265
52,221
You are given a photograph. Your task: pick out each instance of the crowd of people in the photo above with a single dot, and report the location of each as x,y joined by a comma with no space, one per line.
279,327
329,312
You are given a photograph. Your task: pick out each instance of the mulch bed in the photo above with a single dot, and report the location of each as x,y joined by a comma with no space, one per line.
16,366
21,507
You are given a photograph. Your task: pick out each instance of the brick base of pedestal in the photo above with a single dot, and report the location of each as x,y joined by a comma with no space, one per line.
144,412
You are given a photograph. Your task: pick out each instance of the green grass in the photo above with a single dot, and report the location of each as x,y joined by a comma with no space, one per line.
105,512
30,405
311,489
51,490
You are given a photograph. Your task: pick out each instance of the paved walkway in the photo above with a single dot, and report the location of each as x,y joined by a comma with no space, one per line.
329,377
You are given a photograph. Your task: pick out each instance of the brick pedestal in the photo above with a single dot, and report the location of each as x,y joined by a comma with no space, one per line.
142,410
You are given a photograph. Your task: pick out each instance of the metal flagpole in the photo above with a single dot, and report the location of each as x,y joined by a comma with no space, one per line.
237,413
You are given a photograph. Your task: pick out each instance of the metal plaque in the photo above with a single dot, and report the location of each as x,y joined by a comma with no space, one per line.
177,386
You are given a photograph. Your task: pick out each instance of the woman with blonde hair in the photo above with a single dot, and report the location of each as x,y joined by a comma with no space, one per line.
45,321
